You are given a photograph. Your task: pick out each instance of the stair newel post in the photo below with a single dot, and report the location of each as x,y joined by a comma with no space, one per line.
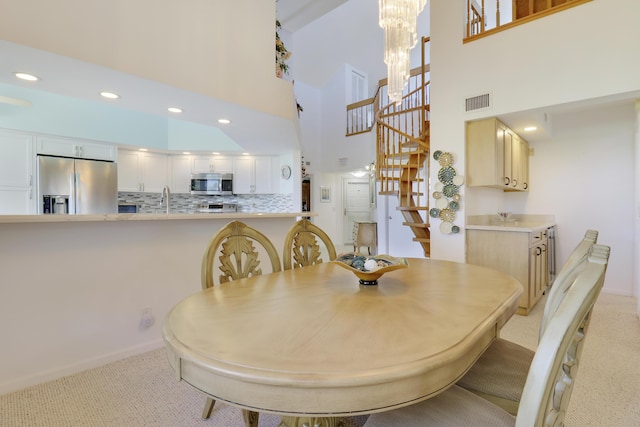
497,13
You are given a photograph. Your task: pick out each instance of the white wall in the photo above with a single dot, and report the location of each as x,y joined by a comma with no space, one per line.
564,58
72,292
585,177
219,49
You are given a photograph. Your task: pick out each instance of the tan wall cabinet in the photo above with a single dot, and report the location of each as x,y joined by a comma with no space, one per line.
496,156
520,254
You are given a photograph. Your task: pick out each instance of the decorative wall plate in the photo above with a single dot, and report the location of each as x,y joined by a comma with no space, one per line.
446,159
447,215
449,190
446,174
442,203
445,227
458,180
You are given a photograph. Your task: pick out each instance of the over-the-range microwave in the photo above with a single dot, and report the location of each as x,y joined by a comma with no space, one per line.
217,184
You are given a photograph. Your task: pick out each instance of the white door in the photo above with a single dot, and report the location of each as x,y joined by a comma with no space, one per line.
357,205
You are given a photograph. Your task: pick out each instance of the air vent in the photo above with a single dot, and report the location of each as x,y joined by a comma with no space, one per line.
477,102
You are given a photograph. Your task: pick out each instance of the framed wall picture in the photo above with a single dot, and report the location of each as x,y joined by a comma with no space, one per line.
325,194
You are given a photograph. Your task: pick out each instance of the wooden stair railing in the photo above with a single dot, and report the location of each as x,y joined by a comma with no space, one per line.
402,153
522,11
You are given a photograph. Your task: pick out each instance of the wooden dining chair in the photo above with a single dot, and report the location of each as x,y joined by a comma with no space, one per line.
301,246
238,258
234,245
500,373
550,379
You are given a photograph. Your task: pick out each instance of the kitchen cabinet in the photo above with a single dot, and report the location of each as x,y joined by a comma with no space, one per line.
142,171
254,175
17,174
183,166
78,148
496,156
520,254
216,164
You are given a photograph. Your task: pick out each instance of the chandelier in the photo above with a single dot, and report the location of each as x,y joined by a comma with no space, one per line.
398,19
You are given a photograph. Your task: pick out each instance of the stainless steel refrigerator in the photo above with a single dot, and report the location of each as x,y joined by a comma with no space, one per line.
76,186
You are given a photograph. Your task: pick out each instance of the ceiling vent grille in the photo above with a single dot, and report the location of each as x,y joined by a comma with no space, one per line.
477,102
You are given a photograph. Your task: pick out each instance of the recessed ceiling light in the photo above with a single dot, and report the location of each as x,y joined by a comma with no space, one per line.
27,77
215,152
530,128
142,149
110,95
224,121
186,152
175,109
245,154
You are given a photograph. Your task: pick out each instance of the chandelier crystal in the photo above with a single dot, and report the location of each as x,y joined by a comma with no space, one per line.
398,18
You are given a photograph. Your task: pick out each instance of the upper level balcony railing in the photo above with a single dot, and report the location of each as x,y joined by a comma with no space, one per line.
486,17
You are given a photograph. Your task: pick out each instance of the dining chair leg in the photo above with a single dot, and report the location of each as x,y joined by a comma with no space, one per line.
250,418
208,408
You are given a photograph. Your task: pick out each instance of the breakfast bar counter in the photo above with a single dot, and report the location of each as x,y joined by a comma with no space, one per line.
75,287
240,216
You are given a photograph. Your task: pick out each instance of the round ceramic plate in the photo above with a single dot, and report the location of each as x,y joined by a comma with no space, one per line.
445,227
447,215
438,186
446,159
437,154
442,203
434,212
449,190
458,180
437,194
446,174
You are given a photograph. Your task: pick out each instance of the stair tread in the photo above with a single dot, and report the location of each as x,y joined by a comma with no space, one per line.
412,208
398,178
416,224
420,239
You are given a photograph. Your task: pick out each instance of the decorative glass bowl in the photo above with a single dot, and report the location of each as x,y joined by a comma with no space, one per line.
369,268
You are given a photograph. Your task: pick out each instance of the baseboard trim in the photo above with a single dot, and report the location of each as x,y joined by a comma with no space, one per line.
83,365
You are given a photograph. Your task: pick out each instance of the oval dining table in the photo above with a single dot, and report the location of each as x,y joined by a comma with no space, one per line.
314,345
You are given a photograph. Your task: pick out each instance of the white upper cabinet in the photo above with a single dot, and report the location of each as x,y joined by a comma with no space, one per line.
17,191
142,171
181,173
218,164
254,175
68,147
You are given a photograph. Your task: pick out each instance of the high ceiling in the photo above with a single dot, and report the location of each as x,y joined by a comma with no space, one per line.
295,14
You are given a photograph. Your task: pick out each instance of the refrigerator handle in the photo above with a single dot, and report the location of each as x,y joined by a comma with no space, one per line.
76,192
72,193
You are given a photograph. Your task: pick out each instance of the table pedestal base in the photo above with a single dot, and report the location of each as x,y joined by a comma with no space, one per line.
310,422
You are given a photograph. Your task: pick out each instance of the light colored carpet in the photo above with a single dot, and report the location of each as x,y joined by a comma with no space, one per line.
142,391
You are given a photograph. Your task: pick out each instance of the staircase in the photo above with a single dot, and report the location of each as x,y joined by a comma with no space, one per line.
402,153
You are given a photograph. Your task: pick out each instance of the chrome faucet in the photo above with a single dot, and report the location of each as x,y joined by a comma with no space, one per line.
166,198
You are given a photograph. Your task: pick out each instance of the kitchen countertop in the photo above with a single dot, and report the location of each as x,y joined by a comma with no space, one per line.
8,219
520,223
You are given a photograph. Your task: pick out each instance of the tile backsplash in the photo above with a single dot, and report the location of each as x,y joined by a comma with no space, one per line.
187,203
